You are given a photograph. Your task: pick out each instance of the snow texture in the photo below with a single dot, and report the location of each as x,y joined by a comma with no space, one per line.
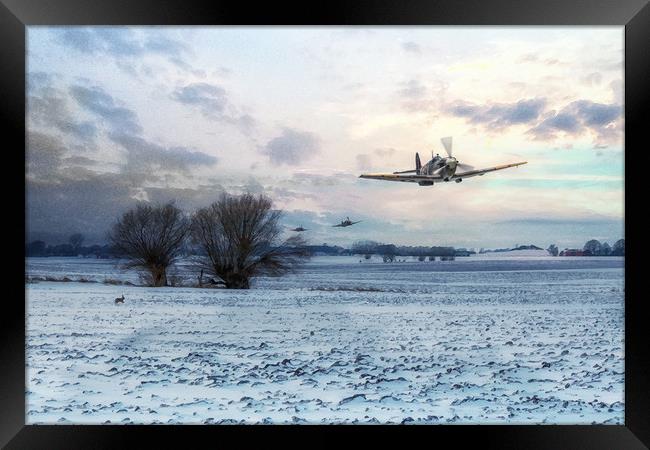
479,340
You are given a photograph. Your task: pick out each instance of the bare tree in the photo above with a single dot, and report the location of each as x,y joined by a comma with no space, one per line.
240,238
151,238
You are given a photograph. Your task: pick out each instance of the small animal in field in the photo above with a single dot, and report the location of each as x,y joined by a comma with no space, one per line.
119,299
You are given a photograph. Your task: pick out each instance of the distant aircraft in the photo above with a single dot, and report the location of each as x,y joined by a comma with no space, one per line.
346,223
437,169
299,229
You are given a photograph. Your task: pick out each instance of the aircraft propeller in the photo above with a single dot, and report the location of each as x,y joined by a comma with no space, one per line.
447,144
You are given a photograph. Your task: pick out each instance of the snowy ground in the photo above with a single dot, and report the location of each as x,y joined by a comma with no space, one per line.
477,340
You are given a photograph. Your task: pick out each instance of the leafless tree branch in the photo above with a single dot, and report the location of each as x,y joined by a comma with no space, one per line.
240,238
151,238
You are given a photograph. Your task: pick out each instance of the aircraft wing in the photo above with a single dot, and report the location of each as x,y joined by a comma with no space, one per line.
398,177
478,172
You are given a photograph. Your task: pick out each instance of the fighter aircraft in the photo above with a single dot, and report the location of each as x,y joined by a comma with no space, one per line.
299,229
437,169
346,223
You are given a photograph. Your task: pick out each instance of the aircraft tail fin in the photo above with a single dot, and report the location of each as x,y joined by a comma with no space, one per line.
418,164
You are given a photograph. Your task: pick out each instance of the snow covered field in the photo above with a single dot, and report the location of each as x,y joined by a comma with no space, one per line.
479,340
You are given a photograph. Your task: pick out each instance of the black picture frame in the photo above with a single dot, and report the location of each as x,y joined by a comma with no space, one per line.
16,15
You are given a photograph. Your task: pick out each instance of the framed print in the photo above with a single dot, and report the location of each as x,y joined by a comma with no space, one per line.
385,215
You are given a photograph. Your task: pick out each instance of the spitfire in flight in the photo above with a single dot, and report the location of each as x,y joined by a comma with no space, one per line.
345,223
437,169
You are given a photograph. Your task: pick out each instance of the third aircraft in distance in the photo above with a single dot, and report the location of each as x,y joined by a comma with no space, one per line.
437,169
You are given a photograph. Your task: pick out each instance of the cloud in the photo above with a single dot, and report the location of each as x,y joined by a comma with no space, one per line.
253,186
364,162
161,44
89,202
210,98
283,196
66,205
52,111
48,107
213,103
592,79
292,147
385,152
562,221
413,89
561,121
495,116
82,39
64,196
528,57
314,179
122,42
534,58
415,96
92,202
617,91
79,161
144,156
38,80
579,117
576,118
44,154
411,47
596,114
98,102
187,199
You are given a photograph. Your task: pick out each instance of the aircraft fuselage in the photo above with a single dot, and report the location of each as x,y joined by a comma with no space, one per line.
445,167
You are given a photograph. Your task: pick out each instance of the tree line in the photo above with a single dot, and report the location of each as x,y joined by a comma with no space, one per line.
592,247
389,251
74,247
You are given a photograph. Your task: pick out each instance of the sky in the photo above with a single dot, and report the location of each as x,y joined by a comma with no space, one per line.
117,115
